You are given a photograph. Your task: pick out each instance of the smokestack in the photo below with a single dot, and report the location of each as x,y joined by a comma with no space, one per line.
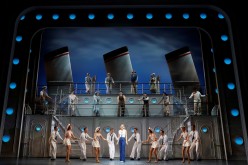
182,69
118,64
58,71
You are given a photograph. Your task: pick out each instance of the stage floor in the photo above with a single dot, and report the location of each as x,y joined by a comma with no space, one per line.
90,161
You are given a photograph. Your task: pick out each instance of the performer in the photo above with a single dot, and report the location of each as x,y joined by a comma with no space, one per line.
162,154
93,84
154,147
73,101
109,81
136,144
185,144
195,141
67,141
96,142
111,136
121,101
87,80
145,108
96,103
158,84
134,82
122,136
82,143
152,83
53,142
43,97
165,99
197,100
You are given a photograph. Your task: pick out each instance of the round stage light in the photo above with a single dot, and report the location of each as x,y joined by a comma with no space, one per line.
22,18
108,100
239,140
157,129
204,129
231,86
38,17
234,112
131,100
107,129
38,128
154,100
129,16
186,16
227,61
72,16
16,61
224,37
55,16
18,38
220,16
91,16
132,129
86,100
82,129
12,85
6,138
111,16
9,111
203,16
214,70
149,16
216,91
168,15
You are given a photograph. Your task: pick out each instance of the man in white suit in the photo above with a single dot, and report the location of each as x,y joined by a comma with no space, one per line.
82,143
163,140
137,144
111,137
53,142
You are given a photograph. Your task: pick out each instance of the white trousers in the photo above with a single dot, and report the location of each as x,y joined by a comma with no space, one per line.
111,150
53,149
194,145
163,152
87,87
83,150
136,149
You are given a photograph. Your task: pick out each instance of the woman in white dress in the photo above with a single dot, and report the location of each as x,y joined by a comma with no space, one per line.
154,147
67,141
186,143
96,142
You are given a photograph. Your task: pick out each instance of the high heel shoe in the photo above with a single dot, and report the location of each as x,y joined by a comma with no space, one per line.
149,161
183,161
156,161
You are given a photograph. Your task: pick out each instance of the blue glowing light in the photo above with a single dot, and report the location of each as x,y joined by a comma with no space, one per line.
12,85
82,129
86,100
149,16
38,17
204,129
55,16
214,70
16,61
186,16
212,50
6,138
227,61
234,112
30,51
129,16
91,16
239,140
107,130
72,16
132,129
216,91
220,16
154,100
157,129
168,16
22,17
131,100
108,100
231,86
203,16
224,37
18,38
9,111
111,16
38,128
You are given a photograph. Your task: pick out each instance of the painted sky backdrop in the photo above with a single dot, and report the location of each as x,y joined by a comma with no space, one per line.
147,49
